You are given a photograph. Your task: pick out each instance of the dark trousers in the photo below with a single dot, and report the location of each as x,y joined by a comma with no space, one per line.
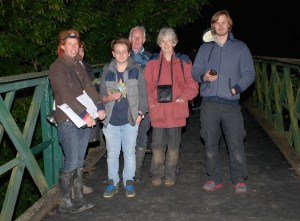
142,137
165,151
214,116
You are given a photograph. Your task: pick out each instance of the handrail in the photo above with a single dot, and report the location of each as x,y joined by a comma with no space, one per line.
277,95
37,86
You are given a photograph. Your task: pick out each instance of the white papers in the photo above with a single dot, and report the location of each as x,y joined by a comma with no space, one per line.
85,100
72,115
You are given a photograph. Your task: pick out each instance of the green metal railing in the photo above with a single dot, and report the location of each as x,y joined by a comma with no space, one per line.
277,95
36,86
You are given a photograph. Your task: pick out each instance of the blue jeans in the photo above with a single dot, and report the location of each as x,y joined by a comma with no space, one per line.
213,116
142,137
74,142
116,137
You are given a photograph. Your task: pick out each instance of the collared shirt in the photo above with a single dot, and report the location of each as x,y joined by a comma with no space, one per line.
141,57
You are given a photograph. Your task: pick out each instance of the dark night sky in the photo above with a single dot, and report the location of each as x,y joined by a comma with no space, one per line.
268,28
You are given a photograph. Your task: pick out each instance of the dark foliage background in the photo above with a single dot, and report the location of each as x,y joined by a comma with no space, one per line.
30,28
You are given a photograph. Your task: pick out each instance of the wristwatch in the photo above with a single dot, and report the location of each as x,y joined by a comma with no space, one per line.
141,115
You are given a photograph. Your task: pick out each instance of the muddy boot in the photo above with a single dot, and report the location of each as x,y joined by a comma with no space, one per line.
65,185
78,191
140,156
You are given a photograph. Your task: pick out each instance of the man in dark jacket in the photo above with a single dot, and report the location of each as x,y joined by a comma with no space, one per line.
225,68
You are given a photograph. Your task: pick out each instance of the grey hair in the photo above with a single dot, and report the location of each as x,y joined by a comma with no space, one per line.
167,32
142,28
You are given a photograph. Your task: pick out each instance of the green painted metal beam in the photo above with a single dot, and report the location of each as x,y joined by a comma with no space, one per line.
22,147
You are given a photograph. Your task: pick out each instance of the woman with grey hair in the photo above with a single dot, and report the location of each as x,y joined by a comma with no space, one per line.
170,86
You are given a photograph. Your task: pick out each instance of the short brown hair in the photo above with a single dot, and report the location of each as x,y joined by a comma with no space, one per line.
121,41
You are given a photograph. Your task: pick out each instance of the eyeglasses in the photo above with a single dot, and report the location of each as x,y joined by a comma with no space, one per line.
71,35
166,42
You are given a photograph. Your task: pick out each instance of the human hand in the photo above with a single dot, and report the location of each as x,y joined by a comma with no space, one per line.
179,100
210,75
138,119
113,96
102,114
90,122
233,91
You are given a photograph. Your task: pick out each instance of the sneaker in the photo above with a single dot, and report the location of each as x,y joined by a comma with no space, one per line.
110,189
130,192
240,188
211,186
169,182
156,182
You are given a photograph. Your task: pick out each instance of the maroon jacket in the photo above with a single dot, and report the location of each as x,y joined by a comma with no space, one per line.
173,114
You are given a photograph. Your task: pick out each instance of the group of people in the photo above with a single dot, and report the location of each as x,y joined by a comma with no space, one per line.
137,89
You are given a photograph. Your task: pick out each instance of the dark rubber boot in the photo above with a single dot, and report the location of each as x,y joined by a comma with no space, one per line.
78,191
140,156
65,184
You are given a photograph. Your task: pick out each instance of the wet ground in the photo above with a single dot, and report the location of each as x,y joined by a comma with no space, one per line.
274,187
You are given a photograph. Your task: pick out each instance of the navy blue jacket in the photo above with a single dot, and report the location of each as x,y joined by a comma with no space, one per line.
234,65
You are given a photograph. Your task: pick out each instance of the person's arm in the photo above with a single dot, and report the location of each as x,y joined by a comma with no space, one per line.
191,86
150,83
105,95
143,95
197,69
247,71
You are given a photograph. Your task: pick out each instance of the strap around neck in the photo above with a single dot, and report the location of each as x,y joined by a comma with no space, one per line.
161,60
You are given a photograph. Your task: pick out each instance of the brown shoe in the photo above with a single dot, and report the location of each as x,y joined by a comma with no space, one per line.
87,190
169,182
156,182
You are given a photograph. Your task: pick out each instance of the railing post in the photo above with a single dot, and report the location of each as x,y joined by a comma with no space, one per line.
53,156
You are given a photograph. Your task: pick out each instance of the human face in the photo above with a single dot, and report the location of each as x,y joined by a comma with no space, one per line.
221,26
81,52
121,53
166,44
71,47
137,39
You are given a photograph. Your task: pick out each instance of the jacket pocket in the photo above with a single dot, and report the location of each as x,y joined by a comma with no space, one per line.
181,110
224,87
156,113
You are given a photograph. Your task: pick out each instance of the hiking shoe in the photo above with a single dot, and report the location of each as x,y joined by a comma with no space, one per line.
211,186
130,192
110,189
87,190
240,188
169,182
156,182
